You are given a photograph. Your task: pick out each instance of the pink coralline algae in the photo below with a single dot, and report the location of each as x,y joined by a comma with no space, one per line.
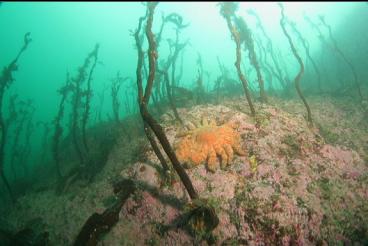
283,201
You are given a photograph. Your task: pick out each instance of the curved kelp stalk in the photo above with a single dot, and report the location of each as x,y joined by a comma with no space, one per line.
19,127
227,10
6,79
116,84
299,59
246,37
177,20
79,121
77,103
306,47
270,49
58,129
88,95
149,121
13,119
170,96
343,56
146,128
199,89
45,140
143,98
157,96
26,148
268,70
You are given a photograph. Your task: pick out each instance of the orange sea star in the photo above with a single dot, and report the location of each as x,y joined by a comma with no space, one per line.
207,140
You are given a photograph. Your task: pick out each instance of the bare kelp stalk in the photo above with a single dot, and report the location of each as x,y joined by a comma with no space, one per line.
19,127
6,80
227,10
306,47
143,98
343,56
23,127
115,87
205,213
116,83
264,64
88,95
199,88
58,129
45,140
81,148
12,120
146,128
101,97
299,59
79,121
270,49
26,148
246,37
177,20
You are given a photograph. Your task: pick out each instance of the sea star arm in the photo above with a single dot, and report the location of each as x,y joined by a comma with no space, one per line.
211,164
229,151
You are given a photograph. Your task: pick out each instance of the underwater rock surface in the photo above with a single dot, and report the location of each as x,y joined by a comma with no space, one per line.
291,188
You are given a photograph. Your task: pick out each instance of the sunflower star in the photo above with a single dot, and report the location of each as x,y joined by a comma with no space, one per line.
207,140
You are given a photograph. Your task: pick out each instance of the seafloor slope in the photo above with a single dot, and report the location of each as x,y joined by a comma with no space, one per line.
295,186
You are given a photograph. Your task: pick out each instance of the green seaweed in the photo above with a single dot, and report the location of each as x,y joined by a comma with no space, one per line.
329,136
326,188
292,171
293,144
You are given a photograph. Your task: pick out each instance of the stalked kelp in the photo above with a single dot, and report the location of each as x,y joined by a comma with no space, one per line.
306,46
20,130
269,50
175,48
101,97
16,119
202,213
158,88
265,65
116,83
45,141
225,86
58,129
80,104
144,96
320,37
299,59
6,80
77,105
284,187
343,56
88,94
23,127
177,21
199,87
227,10
245,35
219,80
141,99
